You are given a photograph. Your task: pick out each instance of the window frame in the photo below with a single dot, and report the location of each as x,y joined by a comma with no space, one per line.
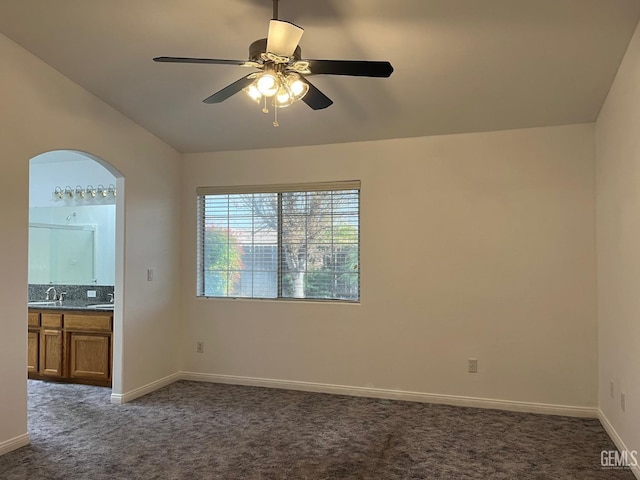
279,189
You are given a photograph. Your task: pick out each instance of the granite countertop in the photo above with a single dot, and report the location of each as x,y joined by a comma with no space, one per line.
72,305
76,297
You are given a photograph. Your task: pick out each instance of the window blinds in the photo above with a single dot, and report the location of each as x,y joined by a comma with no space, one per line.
300,241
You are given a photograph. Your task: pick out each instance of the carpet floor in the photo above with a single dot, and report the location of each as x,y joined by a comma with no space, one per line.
192,430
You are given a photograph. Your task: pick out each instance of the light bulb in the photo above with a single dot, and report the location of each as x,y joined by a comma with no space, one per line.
283,99
253,92
298,88
267,85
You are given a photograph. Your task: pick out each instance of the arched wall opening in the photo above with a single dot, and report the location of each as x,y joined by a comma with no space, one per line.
77,191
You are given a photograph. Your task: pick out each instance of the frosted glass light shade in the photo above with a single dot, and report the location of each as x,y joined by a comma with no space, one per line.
283,38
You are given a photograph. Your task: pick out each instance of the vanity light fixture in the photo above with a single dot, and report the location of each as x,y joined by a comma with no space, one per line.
89,193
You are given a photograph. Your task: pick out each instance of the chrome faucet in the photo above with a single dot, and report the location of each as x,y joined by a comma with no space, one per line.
60,296
55,293
111,297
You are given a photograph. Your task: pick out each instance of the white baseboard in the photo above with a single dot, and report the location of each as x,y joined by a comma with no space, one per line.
119,399
616,439
455,400
15,443
547,409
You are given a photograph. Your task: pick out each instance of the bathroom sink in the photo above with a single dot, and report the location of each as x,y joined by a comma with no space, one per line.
42,303
102,305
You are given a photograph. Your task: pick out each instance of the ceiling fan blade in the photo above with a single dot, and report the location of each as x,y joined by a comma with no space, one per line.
213,61
283,38
229,90
315,98
357,68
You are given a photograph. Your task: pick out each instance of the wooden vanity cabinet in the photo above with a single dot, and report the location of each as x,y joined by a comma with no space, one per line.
71,346
51,345
89,356
34,350
89,340
33,336
51,352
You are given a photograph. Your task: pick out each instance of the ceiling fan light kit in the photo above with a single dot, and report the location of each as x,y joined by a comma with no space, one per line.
282,80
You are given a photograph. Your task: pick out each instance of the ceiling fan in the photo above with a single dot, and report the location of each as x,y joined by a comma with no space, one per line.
281,79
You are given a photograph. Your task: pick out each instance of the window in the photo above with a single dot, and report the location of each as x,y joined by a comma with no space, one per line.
280,241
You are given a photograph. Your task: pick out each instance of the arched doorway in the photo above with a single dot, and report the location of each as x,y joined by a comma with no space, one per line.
76,240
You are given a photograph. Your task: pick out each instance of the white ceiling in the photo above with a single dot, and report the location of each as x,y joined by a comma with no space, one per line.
460,65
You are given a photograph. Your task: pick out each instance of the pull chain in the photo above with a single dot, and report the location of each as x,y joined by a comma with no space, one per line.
275,115
265,109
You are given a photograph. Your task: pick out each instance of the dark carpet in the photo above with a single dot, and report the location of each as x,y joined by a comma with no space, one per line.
192,430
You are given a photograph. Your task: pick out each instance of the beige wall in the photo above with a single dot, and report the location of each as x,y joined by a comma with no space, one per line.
618,240
478,245
43,111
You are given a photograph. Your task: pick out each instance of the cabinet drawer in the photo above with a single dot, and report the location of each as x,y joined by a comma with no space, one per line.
34,319
51,320
88,322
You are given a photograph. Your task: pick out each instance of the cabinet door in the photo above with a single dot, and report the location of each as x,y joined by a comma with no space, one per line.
51,352
34,351
89,356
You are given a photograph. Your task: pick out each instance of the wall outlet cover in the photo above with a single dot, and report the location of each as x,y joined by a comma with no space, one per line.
91,294
473,365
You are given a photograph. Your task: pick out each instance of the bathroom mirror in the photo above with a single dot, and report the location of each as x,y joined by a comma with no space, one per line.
62,254
72,245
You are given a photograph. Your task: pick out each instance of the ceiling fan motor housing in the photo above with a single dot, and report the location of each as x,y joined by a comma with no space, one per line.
257,48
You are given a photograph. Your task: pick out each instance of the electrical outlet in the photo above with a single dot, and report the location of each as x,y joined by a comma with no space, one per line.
612,389
200,347
473,365
623,401
91,294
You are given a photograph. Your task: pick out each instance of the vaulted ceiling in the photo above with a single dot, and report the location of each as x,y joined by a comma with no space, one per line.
460,65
